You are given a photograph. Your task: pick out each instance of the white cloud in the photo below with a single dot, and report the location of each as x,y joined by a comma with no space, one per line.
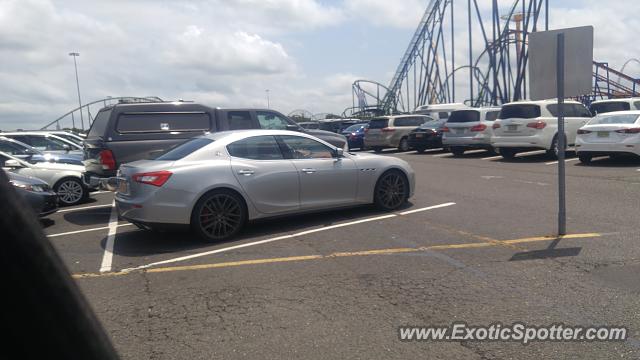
398,13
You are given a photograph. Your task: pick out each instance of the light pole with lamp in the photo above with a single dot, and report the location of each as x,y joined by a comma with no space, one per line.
75,64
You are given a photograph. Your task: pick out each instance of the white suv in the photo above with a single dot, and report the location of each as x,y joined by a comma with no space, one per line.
469,129
526,125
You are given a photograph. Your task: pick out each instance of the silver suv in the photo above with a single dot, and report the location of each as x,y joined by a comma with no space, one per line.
392,131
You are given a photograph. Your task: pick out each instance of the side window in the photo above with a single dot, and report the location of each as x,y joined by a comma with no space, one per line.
99,125
580,111
299,147
637,105
272,121
492,115
417,121
22,139
154,122
239,120
443,115
256,148
400,122
9,148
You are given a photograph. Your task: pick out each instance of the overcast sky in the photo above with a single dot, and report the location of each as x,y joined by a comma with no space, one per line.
227,53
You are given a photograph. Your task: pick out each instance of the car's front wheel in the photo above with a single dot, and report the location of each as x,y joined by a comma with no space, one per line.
219,215
391,191
70,191
457,150
404,145
507,154
585,158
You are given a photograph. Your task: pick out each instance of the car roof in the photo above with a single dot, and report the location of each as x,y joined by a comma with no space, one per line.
616,100
234,135
540,102
625,112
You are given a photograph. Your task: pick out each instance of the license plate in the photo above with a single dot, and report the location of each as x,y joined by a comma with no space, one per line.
123,187
418,135
603,134
512,127
459,131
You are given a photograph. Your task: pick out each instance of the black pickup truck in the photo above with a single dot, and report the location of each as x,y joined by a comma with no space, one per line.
127,132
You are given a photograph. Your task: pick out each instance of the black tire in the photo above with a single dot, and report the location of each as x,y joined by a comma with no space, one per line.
507,153
457,150
553,152
420,150
391,191
585,158
404,144
219,215
377,149
70,191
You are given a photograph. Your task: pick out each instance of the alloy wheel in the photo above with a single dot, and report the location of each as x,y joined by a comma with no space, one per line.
70,192
220,216
391,191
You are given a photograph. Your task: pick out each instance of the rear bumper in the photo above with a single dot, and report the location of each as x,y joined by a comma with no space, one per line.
606,148
369,143
160,207
426,141
534,142
468,141
95,181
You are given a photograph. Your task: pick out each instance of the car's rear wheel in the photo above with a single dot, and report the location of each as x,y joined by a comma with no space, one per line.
219,215
70,191
457,150
404,144
377,149
391,191
420,150
507,154
585,158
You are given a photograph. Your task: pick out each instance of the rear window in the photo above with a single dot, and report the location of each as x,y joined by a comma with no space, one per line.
614,119
99,125
570,110
610,106
378,123
491,115
524,111
162,122
409,121
464,116
184,149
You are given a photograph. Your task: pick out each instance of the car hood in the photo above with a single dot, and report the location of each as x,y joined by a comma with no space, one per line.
24,178
58,166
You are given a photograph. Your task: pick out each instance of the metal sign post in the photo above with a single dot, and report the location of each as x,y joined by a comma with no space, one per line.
549,52
562,212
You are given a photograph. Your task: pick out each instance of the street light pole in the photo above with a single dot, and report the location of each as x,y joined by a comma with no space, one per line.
75,64
267,91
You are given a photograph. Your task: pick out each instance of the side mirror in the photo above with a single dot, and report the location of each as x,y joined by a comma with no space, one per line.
339,153
12,164
66,147
293,127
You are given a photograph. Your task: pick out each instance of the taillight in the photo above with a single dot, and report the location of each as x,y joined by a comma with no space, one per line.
156,178
583,132
537,124
495,126
479,127
388,129
107,160
353,136
444,129
629,131
366,130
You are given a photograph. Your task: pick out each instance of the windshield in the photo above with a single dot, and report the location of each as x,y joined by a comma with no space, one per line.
432,124
184,149
614,119
609,106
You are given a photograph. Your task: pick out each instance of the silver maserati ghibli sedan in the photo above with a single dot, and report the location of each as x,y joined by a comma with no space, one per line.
218,182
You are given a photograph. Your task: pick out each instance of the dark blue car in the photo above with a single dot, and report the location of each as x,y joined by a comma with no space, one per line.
355,135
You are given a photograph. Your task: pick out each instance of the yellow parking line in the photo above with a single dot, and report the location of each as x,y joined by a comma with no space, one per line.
340,254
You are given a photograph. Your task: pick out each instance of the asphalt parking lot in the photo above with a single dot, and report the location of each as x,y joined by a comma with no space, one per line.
475,244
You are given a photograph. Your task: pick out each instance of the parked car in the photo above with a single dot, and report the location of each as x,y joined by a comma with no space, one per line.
29,154
309,125
67,135
337,125
215,183
530,125
46,142
609,134
36,192
469,129
439,111
64,179
392,131
609,105
427,135
132,131
355,135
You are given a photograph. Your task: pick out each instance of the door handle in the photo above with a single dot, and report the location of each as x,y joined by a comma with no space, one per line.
245,172
309,170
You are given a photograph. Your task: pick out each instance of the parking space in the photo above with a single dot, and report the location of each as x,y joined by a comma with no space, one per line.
475,243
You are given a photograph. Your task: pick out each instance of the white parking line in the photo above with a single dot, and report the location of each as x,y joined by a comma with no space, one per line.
283,237
101,192
492,157
474,151
107,257
85,230
528,153
565,160
84,208
443,155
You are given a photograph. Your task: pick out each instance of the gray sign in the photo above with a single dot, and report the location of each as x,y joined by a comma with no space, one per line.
578,62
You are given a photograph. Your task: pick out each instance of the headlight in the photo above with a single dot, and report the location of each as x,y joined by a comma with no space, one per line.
30,187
